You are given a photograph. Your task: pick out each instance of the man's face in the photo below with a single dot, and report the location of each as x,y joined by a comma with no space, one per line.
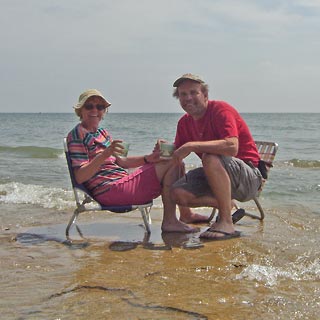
192,99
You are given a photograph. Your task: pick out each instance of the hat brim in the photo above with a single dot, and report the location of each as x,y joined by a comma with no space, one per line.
80,104
190,77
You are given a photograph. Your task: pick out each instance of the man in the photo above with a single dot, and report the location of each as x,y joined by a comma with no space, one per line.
216,132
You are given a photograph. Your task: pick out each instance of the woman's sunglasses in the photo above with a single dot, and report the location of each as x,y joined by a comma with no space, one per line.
99,107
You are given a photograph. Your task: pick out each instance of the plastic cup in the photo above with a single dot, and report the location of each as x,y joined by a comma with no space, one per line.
166,150
125,149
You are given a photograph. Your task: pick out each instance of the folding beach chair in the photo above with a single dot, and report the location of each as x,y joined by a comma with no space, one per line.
267,151
80,191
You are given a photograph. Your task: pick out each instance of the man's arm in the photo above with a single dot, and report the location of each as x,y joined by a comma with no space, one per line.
224,147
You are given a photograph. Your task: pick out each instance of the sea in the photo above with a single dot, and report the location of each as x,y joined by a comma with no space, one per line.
119,272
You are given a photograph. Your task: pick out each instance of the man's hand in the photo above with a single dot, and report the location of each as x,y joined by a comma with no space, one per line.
181,153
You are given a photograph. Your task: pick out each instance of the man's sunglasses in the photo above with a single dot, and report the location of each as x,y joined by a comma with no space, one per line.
99,107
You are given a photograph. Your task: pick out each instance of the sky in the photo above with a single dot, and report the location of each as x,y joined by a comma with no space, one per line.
260,56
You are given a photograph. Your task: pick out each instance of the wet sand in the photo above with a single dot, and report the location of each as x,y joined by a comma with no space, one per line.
118,272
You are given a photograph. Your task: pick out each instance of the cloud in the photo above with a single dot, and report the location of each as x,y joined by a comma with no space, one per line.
135,50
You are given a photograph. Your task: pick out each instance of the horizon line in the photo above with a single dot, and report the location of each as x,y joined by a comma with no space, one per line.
49,112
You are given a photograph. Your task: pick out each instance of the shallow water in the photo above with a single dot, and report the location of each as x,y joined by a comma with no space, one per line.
117,272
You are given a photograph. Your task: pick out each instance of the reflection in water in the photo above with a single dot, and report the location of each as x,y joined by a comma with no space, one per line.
32,238
123,245
170,240
181,240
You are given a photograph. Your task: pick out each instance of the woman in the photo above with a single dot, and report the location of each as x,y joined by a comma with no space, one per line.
97,164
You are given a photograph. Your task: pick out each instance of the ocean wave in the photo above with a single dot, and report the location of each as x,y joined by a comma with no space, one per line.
270,275
297,163
32,152
49,198
45,197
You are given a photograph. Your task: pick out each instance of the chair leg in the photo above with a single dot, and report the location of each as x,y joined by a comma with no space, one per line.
260,210
145,213
213,213
236,216
72,221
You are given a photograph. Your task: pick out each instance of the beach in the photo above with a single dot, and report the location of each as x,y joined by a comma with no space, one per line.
117,271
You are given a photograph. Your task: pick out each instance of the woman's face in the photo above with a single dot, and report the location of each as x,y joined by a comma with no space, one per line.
93,110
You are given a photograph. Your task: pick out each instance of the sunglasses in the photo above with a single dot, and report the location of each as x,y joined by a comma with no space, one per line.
91,106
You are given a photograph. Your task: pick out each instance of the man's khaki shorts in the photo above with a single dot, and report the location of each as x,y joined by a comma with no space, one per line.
245,180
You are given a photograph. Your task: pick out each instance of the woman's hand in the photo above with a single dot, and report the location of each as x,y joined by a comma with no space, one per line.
88,170
115,149
153,157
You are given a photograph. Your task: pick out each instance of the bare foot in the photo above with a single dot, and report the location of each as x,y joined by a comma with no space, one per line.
178,226
196,218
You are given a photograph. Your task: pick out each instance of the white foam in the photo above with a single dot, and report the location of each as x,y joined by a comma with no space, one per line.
270,275
19,193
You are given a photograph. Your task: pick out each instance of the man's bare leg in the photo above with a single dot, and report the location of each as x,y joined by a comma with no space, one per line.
189,200
168,174
219,182
188,216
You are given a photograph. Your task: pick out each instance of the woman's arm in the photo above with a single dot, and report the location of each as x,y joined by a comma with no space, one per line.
138,161
134,162
88,170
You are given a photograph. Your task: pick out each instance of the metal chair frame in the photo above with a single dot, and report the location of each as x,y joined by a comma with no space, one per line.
267,151
82,205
